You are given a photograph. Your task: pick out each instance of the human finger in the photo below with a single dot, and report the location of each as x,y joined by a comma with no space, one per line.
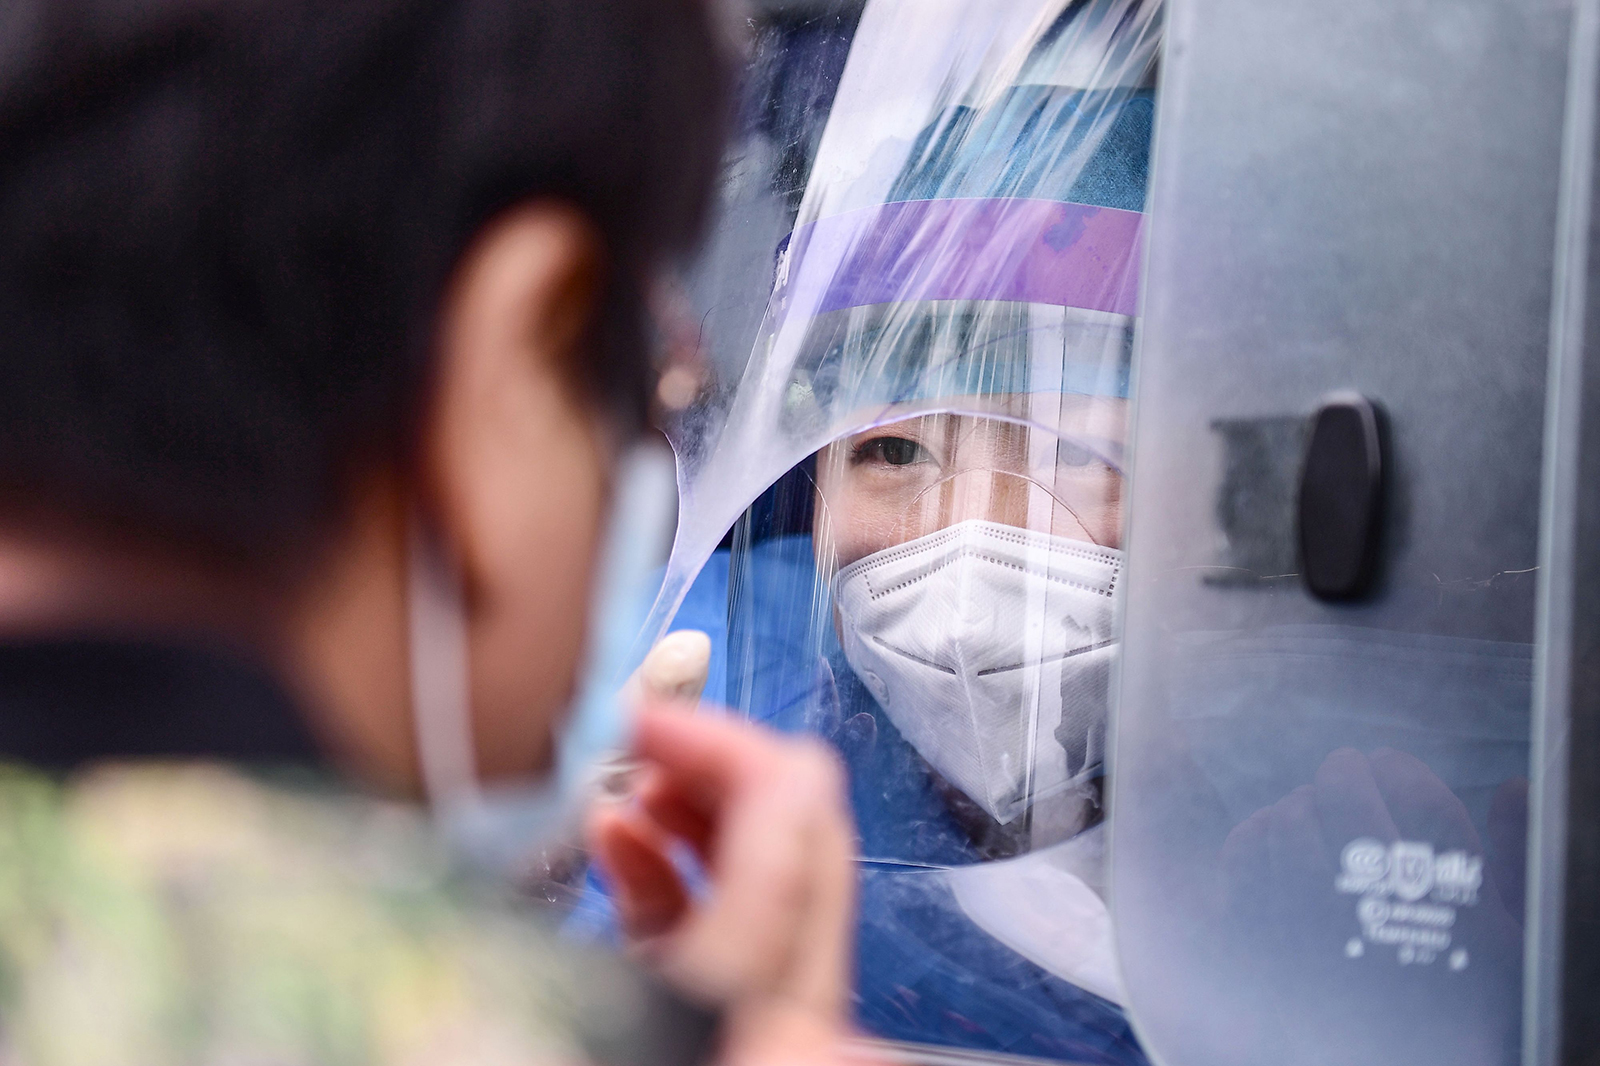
1508,839
1349,802
771,818
823,976
659,797
746,932
1423,806
1245,864
706,757
676,668
648,892
777,914
1299,851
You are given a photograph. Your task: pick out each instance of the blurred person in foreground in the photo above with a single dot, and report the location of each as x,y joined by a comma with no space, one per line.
287,291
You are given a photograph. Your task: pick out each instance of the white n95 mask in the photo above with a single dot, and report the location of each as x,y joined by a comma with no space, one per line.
990,648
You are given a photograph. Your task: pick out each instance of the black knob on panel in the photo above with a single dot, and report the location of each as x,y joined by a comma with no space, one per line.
1341,497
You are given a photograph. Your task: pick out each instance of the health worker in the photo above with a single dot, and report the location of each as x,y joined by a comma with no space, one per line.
932,433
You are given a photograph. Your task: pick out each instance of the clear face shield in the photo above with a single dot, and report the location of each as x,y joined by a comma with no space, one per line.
915,490
900,520
932,590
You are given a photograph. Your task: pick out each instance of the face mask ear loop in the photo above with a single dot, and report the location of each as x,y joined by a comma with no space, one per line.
440,689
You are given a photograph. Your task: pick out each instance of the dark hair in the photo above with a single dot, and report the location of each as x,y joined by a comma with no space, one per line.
225,226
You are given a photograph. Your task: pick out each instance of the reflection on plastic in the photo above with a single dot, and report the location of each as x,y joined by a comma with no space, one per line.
1353,893
1304,866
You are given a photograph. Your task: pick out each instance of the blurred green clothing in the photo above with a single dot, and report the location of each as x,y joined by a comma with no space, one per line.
184,882
190,913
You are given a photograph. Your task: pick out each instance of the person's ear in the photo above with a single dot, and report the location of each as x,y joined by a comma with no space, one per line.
515,469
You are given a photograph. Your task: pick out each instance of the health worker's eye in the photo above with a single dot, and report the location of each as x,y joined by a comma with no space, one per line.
1069,454
891,451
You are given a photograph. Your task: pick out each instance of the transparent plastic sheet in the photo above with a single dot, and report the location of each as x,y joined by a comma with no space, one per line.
934,595
1321,807
901,527
971,277
795,53
961,162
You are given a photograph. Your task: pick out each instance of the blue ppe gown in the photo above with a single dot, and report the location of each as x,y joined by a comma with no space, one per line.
924,971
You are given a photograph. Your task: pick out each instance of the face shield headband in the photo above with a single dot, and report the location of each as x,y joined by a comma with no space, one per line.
1012,250
883,312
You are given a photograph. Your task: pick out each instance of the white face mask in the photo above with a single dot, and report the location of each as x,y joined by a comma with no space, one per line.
507,827
990,649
